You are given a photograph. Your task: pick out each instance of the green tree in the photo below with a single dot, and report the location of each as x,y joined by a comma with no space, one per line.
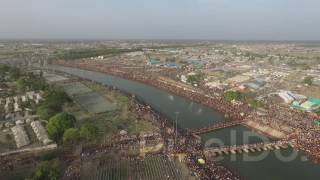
256,104
308,80
88,131
56,97
45,111
48,170
195,79
233,95
58,124
71,135
52,104
21,84
14,73
3,69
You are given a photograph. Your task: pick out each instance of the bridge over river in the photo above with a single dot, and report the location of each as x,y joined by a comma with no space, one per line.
215,126
246,148
193,115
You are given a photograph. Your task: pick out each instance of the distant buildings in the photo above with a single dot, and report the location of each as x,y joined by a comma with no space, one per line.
238,79
288,97
311,105
154,62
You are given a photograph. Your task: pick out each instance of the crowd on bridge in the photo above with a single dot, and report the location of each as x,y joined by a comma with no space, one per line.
209,169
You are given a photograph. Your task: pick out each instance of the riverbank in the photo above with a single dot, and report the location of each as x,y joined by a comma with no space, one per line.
217,103
162,101
273,133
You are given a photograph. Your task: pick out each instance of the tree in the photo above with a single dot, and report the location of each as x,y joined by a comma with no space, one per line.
52,104
56,97
257,104
48,170
14,73
58,124
233,95
88,131
71,135
46,111
195,79
308,80
21,84
3,70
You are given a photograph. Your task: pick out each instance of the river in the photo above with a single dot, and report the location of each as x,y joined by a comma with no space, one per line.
275,165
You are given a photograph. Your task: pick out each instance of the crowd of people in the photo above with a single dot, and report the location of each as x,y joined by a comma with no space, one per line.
193,148
231,110
283,119
10,163
309,141
209,169
294,123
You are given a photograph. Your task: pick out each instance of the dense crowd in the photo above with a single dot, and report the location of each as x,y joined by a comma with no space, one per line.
283,119
72,172
297,123
231,110
210,170
11,163
193,149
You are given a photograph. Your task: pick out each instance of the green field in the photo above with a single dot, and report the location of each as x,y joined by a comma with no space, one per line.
95,103
75,88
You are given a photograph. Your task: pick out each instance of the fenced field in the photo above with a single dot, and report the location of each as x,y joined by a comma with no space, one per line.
95,103
75,88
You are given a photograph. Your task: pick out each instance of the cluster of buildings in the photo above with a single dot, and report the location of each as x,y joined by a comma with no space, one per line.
16,115
264,69
22,138
14,104
301,102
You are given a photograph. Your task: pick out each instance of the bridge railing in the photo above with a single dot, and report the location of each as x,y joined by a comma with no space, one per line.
214,127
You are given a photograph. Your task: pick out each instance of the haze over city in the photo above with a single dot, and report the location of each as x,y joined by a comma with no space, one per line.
159,89
161,19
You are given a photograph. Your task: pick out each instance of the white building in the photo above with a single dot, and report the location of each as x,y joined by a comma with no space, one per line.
40,131
20,136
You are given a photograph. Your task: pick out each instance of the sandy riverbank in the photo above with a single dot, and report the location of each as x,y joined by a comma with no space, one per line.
265,129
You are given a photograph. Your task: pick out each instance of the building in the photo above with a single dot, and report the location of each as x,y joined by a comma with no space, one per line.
255,85
154,62
311,105
20,136
41,132
288,97
238,79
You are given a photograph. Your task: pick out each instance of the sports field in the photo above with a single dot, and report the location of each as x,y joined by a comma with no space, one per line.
75,88
95,103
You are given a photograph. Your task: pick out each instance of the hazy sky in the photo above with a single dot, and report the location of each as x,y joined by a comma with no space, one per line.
161,19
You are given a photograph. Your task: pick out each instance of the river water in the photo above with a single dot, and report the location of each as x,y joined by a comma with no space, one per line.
275,165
